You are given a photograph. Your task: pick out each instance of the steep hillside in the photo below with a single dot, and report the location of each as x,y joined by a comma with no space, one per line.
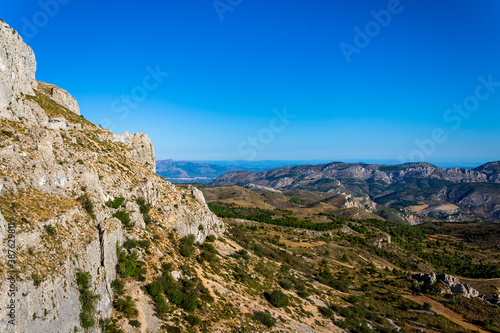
476,193
71,195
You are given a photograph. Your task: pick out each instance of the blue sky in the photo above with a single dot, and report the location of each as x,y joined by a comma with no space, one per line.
235,66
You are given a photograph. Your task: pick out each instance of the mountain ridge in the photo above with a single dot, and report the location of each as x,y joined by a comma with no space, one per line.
394,186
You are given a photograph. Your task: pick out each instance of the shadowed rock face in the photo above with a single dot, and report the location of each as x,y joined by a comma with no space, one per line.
50,157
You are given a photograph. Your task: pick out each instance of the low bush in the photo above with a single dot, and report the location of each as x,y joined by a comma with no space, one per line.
124,217
87,204
126,306
115,203
51,231
160,304
286,284
327,312
144,208
186,246
265,319
278,299
193,320
118,286
128,265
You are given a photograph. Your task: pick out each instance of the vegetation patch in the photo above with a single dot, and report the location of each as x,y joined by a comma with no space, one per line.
115,203
265,319
277,298
144,208
87,299
87,204
124,217
130,266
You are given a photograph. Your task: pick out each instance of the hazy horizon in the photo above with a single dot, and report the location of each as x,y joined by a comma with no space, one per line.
442,164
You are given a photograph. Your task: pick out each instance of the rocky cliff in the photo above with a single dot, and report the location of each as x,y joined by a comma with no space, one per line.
61,179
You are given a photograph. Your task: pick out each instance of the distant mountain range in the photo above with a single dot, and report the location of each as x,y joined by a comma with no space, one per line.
207,171
454,194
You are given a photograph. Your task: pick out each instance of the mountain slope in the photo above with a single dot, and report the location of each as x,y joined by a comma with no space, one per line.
62,178
397,186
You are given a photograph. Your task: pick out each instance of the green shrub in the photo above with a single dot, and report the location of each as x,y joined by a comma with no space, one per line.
286,284
128,265
302,292
161,304
427,307
36,279
123,217
327,312
87,204
107,326
134,323
118,286
285,268
190,302
173,329
193,320
278,299
186,246
126,306
87,299
144,208
241,254
265,319
130,243
50,229
342,324
115,203
7,133
211,238
175,296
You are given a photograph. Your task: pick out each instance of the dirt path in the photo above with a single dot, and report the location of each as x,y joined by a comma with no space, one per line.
445,312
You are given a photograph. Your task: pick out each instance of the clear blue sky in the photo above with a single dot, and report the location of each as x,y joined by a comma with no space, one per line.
226,76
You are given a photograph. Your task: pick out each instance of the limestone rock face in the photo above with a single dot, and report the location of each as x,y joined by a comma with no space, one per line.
135,216
59,95
17,72
141,148
52,161
451,282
